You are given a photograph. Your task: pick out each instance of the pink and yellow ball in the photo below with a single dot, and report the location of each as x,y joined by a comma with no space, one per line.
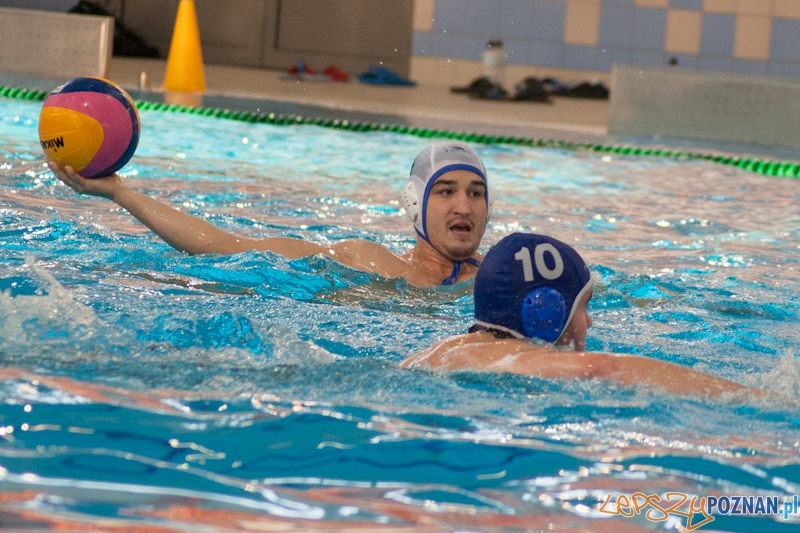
91,125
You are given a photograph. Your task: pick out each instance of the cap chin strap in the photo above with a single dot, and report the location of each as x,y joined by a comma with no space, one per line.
457,269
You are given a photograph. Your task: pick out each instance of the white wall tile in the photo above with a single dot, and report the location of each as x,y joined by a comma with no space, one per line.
582,22
752,40
755,7
684,28
787,9
423,14
652,3
721,6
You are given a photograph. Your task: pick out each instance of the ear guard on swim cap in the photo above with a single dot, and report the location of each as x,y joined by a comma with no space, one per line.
412,204
544,314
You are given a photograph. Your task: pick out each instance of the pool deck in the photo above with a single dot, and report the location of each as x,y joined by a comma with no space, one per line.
425,105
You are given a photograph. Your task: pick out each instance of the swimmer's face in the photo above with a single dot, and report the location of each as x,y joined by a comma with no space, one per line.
576,329
456,214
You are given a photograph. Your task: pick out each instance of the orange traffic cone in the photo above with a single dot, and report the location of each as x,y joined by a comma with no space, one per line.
185,81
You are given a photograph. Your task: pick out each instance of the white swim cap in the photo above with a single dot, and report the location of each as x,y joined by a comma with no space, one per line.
432,162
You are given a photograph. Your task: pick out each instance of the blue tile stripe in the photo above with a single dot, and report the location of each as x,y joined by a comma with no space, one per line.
686,4
717,34
548,20
785,40
649,28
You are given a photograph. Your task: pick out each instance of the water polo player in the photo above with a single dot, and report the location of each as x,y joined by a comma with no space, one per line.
446,198
531,297
442,173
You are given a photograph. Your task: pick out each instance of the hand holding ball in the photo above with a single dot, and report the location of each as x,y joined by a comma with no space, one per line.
91,125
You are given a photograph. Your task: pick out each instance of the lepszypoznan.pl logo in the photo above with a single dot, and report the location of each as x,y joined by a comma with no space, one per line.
698,511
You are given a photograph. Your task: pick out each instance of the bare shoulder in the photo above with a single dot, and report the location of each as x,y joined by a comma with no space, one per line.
287,247
482,352
434,356
471,351
358,246
369,256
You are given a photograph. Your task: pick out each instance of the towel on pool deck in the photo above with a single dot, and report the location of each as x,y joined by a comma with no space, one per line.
378,75
302,72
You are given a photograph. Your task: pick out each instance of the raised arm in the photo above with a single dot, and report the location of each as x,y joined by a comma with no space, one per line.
194,235
182,231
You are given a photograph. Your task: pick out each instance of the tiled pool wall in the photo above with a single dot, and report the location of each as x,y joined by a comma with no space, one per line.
757,37
584,38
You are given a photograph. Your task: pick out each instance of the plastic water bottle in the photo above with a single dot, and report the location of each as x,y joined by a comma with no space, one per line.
494,62
144,81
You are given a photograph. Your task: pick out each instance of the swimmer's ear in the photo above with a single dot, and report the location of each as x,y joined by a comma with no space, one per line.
489,204
544,313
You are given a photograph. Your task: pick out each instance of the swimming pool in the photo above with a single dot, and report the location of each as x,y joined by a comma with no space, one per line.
145,388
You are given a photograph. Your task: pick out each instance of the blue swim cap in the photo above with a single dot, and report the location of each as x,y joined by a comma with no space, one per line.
432,162
529,285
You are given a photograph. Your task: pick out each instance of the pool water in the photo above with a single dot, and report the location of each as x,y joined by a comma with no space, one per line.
145,388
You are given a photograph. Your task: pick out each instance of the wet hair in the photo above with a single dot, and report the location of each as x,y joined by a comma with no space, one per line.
496,332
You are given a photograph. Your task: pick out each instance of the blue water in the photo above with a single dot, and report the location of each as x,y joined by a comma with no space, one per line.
141,386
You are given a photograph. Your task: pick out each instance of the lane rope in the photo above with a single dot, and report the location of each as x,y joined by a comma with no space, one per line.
765,167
